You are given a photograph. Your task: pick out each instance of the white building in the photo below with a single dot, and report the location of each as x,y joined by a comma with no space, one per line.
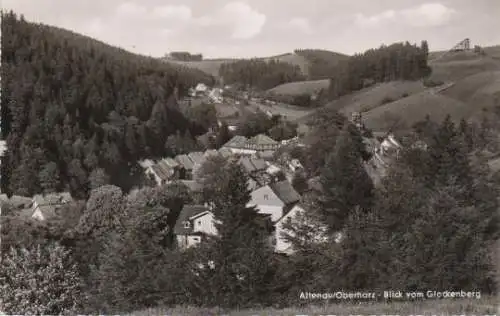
194,222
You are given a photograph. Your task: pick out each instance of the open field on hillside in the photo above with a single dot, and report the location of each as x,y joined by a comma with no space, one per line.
465,99
410,110
483,306
374,96
289,112
300,87
454,70
211,66
481,90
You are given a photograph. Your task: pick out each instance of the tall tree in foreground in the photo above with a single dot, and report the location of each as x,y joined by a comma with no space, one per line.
41,280
344,180
240,252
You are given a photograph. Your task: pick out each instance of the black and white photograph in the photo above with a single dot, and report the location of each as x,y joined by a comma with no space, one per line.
250,157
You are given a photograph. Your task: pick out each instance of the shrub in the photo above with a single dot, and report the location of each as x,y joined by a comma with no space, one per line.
39,280
429,83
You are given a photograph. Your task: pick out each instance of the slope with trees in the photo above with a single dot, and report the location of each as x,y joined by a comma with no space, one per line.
91,107
259,74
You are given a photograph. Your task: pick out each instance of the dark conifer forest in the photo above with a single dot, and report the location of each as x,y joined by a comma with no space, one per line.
399,61
260,74
72,105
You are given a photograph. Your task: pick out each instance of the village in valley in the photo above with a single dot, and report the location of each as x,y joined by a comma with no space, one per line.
134,183
267,162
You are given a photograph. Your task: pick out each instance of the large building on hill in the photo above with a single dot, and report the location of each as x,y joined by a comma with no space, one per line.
260,143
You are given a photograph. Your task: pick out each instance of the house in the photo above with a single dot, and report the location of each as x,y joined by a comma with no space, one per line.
238,145
200,89
252,165
262,142
164,171
194,222
186,166
242,145
197,158
195,189
215,95
45,206
390,145
274,199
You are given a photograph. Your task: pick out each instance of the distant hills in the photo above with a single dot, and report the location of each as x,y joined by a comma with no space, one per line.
305,59
474,89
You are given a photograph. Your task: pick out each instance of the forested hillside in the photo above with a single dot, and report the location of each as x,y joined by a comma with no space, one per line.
260,74
76,112
322,62
400,61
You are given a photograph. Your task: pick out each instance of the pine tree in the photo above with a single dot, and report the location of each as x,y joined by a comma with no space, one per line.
49,178
345,182
241,250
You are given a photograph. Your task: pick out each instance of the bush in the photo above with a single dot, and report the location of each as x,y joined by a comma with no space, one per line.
429,83
39,280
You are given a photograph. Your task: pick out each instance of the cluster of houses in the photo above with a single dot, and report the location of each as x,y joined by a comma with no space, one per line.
270,177
202,90
40,207
272,193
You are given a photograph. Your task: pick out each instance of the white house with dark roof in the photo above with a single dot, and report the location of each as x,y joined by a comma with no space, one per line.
275,199
193,223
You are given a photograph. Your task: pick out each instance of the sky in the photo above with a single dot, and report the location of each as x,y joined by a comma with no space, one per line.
258,28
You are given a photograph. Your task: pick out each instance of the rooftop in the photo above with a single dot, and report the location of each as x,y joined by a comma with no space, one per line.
186,213
185,161
262,140
285,191
237,142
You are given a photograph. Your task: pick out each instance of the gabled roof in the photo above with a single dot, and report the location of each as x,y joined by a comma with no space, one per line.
262,140
265,196
171,162
185,161
196,157
161,171
259,164
246,164
285,191
236,142
186,213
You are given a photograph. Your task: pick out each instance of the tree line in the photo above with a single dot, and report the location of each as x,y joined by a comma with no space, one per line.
185,56
259,74
322,63
437,202
76,111
399,61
